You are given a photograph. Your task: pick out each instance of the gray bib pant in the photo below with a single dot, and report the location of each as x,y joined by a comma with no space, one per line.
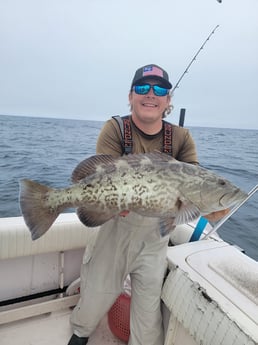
125,245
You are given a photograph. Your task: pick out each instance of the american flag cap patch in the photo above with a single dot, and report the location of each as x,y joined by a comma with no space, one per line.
152,70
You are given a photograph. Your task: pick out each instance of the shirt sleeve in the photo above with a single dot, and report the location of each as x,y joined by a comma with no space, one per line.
186,149
109,140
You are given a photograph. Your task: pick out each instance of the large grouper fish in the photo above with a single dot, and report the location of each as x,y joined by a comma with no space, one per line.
150,184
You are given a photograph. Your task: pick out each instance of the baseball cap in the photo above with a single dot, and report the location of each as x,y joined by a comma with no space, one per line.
151,72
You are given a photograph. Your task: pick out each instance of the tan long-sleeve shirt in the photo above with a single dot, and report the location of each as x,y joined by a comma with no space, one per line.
110,142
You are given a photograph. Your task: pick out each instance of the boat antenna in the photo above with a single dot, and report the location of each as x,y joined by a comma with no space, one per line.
194,58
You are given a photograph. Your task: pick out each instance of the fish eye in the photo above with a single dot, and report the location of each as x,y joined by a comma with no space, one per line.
221,182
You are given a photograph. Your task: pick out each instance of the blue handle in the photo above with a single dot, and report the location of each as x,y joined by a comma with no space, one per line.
198,229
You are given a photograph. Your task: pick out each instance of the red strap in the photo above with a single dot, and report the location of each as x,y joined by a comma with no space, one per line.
167,138
128,142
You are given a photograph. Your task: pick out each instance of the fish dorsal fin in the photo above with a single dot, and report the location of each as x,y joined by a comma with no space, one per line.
92,218
155,156
158,156
187,213
149,158
91,165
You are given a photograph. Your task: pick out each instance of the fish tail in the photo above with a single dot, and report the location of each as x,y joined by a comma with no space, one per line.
37,215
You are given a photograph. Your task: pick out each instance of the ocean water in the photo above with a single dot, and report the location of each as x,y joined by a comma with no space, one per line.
47,150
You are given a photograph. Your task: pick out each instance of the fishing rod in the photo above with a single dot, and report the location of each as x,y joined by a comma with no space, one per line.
234,209
194,58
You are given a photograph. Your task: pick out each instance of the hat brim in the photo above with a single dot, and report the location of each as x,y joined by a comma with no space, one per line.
163,82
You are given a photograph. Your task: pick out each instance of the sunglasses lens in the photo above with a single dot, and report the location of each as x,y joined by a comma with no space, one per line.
142,89
159,91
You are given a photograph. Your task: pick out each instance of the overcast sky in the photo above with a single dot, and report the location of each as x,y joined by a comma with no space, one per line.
76,59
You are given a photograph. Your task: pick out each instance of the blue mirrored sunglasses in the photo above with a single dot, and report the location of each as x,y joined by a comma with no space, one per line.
144,89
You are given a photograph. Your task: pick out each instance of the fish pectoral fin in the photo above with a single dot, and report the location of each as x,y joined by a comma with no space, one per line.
92,218
187,213
166,225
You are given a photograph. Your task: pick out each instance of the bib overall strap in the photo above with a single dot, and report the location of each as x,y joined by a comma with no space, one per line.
126,133
167,138
127,140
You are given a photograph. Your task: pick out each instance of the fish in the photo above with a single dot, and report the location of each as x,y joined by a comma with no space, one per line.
150,184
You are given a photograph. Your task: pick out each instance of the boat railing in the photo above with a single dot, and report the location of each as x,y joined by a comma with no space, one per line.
66,233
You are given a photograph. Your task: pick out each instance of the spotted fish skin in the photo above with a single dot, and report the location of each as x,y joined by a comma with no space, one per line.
153,185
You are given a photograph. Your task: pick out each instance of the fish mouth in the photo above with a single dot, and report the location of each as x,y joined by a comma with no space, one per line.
231,199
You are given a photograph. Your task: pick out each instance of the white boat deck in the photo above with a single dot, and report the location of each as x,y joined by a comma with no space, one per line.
52,328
